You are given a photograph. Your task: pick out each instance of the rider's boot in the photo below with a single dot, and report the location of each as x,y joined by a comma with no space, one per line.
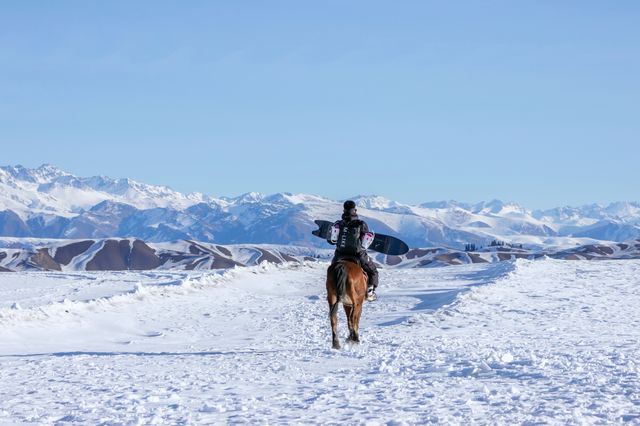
371,294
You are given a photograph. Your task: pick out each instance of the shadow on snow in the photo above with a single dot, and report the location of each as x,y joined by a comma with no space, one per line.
434,299
141,354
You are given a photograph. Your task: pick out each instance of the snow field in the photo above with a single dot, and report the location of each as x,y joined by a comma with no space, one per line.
514,342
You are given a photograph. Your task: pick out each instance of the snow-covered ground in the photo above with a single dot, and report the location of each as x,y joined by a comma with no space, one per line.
512,342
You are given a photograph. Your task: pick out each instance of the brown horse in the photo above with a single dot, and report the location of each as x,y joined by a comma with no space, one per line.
346,283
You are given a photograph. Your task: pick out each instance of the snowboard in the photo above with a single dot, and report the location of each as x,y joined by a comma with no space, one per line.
381,243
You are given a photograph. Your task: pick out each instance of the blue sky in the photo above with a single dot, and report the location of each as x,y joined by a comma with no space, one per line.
530,101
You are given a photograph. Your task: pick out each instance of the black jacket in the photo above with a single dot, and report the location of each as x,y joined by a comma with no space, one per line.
364,228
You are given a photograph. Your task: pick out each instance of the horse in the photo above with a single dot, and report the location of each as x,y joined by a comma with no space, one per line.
346,283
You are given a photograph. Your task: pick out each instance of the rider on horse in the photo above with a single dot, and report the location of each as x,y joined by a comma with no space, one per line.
351,237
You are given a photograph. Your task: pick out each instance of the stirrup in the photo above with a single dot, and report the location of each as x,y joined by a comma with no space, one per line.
371,296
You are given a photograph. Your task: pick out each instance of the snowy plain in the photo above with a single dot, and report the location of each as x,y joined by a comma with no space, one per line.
519,342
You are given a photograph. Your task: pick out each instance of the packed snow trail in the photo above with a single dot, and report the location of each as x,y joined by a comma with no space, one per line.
548,341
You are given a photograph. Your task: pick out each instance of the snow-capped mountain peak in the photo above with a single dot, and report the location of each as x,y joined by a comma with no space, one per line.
380,203
497,207
47,188
47,173
623,210
43,174
445,205
248,197
373,202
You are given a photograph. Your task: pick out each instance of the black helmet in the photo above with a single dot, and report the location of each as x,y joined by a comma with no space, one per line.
349,210
348,205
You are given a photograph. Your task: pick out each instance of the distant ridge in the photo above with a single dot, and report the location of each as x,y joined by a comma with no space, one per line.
134,254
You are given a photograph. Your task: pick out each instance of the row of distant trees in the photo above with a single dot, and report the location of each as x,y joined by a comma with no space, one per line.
494,243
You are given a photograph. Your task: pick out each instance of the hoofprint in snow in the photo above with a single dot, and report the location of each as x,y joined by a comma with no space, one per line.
513,342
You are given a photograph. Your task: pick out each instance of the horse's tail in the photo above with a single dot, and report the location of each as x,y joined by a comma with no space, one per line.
340,274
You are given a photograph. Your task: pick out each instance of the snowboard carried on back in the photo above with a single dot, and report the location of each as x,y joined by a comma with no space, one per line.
381,243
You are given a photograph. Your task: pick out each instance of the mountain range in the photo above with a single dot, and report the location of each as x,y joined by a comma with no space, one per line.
47,202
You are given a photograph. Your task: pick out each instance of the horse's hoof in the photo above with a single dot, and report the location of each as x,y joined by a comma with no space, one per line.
336,346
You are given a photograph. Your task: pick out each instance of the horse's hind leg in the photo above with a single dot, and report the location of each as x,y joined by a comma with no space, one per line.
355,322
332,298
353,333
334,329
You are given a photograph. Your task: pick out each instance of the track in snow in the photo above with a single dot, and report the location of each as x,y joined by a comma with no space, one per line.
547,341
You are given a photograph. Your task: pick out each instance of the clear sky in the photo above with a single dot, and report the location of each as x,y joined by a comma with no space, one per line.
536,102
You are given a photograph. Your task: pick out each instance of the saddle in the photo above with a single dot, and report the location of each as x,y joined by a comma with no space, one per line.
350,258
354,259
